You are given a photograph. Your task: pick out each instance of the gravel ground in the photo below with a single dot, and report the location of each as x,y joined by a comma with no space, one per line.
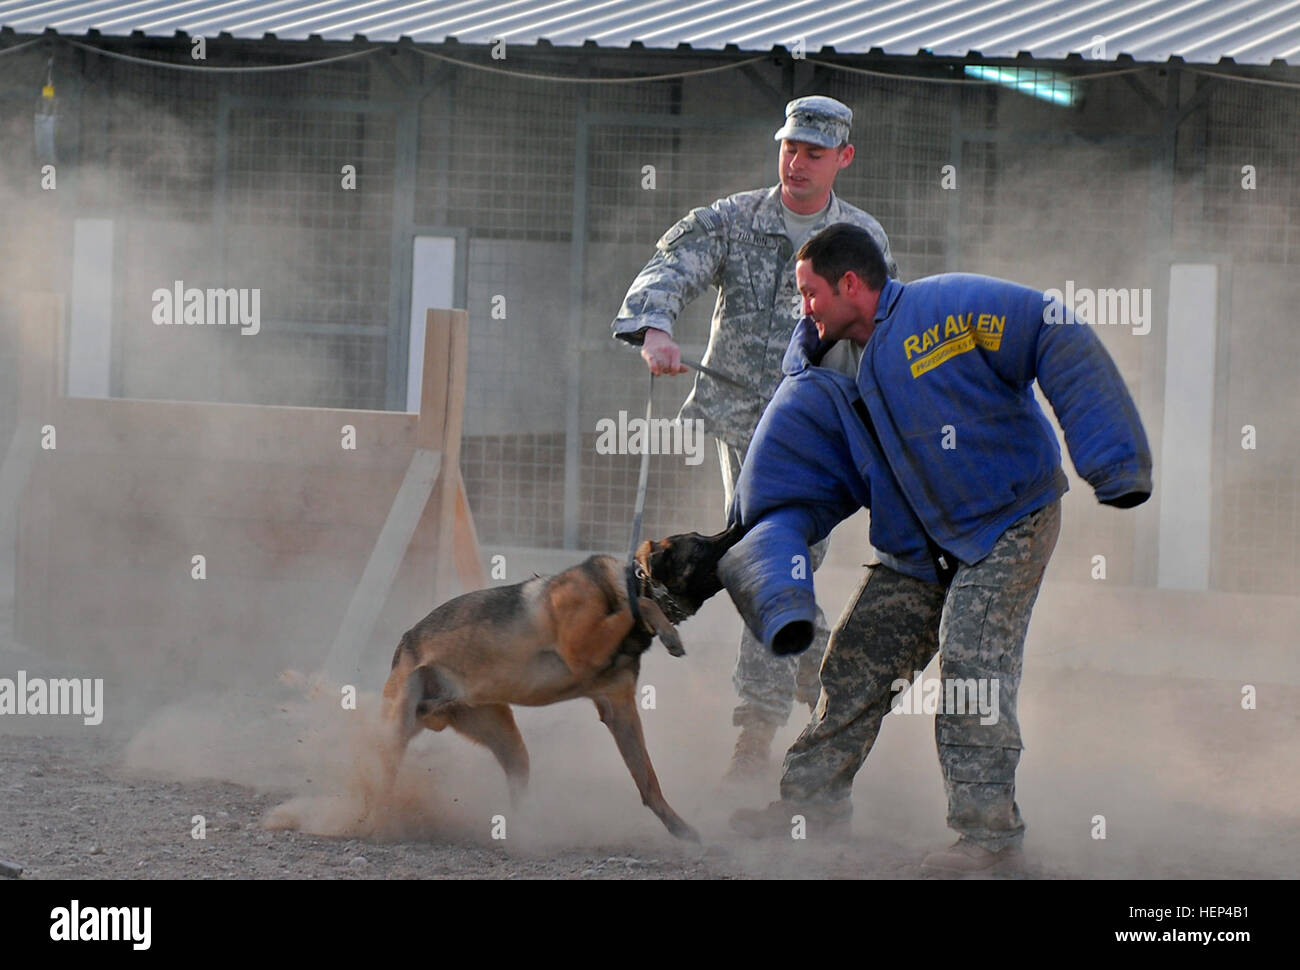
74,807
71,813
1190,785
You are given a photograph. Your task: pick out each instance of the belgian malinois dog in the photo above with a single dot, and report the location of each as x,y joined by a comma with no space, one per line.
545,640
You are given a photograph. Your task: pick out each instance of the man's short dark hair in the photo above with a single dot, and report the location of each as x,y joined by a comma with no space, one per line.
842,248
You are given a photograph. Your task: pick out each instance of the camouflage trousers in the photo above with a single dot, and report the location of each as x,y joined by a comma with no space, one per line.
892,629
767,684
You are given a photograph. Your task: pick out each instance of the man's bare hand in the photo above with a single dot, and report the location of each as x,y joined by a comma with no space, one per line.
661,354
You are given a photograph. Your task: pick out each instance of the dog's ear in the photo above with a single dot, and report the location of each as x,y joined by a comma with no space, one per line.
655,557
643,552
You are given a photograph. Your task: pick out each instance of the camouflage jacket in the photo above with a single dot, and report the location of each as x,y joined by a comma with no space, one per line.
738,244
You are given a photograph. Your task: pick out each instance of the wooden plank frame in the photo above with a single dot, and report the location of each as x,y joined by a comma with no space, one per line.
434,468
39,382
427,536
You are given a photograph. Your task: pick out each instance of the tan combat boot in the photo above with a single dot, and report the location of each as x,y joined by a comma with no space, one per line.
820,819
753,752
964,856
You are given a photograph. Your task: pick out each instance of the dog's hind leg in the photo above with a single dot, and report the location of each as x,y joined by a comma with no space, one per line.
399,722
414,697
617,708
493,725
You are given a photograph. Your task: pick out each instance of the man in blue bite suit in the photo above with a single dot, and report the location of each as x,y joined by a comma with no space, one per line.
916,401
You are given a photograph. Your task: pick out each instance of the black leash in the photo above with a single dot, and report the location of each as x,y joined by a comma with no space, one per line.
633,586
719,376
631,571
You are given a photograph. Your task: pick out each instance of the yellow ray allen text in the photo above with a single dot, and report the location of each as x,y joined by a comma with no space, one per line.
956,335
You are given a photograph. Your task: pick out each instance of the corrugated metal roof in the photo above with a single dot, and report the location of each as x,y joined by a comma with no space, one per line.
1199,31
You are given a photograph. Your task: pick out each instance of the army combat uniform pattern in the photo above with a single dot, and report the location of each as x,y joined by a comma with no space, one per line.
892,628
740,245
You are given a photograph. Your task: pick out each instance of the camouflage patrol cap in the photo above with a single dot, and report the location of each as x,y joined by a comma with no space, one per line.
816,119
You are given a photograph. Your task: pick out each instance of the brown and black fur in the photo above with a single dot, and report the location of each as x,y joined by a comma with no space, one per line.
545,640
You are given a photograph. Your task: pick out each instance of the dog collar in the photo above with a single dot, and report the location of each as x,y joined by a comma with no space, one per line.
647,586
638,584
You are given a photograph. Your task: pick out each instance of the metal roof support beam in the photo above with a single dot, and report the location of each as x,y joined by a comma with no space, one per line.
405,162
387,62
952,206
1151,391
803,76
221,176
434,81
443,81
770,93
1145,93
1205,86
573,361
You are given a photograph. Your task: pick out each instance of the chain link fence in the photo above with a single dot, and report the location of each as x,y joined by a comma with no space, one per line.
561,192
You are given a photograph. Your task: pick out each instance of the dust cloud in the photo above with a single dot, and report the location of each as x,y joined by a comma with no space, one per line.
1115,724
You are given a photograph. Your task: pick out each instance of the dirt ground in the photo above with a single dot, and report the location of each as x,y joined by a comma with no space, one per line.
1189,783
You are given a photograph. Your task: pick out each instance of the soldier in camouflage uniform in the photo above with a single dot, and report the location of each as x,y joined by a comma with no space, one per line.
744,245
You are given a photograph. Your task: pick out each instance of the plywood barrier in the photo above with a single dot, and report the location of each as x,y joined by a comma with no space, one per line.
287,519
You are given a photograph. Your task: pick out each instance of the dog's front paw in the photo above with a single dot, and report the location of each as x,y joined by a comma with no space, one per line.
682,830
